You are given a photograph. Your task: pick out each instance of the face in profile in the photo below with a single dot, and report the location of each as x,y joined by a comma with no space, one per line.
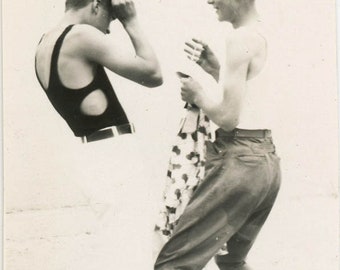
226,10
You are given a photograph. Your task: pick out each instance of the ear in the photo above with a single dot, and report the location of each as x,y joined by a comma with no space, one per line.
95,6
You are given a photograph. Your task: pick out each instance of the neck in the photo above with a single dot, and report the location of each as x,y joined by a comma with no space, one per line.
246,18
73,17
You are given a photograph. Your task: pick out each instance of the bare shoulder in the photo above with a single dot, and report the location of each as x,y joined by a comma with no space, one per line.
247,41
84,41
84,35
85,30
255,38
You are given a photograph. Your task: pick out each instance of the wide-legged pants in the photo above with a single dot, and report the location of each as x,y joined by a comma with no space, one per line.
230,206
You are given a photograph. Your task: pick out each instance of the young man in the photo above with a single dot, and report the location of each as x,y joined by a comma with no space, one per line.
106,169
70,60
242,175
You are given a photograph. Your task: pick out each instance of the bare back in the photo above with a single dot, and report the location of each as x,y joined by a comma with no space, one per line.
257,109
74,71
258,60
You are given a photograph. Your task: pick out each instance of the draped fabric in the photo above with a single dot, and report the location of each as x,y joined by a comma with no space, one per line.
186,168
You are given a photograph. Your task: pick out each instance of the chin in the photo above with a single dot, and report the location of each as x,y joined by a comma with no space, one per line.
220,17
223,19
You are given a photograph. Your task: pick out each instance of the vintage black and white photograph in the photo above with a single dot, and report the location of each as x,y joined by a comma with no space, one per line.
170,135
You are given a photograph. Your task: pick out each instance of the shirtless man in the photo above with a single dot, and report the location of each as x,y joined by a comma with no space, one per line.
70,60
242,176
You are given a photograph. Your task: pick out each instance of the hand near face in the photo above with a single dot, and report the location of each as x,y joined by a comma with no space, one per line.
199,52
190,90
123,10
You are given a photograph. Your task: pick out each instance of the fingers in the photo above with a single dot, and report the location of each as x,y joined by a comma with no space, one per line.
185,86
194,46
182,75
197,44
183,97
184,93
193,51
189,87
184,82
121,2
200,42
193,55
123,9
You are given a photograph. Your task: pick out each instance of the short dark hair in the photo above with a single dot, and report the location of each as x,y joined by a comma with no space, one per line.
78,4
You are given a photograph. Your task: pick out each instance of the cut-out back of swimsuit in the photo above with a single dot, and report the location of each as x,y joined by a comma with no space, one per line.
68,102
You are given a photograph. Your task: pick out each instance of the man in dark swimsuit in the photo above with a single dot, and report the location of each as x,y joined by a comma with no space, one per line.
70,61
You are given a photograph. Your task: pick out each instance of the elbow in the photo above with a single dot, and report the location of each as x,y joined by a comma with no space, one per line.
154,79
157,80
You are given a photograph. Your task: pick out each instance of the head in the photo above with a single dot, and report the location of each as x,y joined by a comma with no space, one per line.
232,10
97,13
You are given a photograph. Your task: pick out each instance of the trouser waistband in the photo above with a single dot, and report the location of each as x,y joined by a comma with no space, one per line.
244,133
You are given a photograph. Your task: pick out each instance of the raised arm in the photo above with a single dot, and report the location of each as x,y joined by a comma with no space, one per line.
141,67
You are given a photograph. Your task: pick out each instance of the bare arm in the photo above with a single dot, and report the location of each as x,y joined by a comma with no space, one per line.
148,68
143,67
225,112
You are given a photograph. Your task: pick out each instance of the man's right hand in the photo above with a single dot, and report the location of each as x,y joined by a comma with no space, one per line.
124,10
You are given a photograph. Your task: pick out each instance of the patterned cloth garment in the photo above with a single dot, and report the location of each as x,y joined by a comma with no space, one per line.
186,168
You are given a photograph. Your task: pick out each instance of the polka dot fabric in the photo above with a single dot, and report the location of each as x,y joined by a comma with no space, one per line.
186,168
